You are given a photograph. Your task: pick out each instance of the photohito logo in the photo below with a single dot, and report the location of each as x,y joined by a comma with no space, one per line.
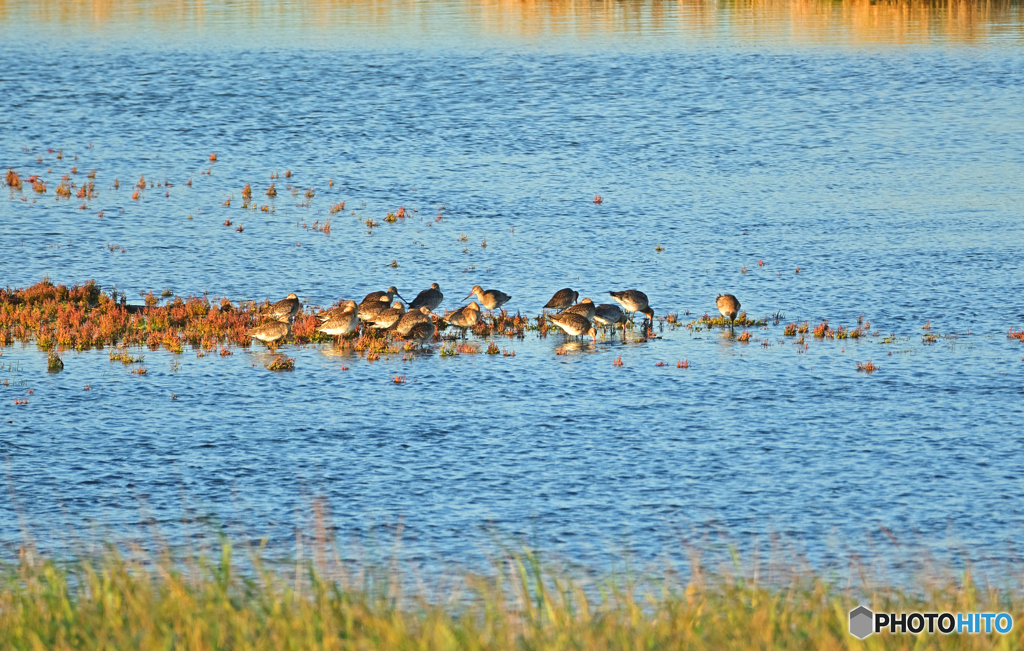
863,622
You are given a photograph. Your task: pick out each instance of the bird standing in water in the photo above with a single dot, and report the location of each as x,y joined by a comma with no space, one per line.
272,332
285,309
584,308
729,307
562,299
464,317
388,317
376,296
633,300
608,314
492,299
428,298
422,334
343,323
327,315
574,325
371,310
410,319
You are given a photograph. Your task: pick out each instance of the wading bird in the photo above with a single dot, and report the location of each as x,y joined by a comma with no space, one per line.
405,324
464,317
376,296
422,333
370,311
584,308
327,315
428,298
562,299
607,314
389,317
285,309
272,332
574,325
729,307
492,299
343,323
633,300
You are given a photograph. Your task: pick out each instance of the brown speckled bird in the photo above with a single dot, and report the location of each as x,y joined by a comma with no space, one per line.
422,333
729,307
342,323
492,299
573,324
633,300
388,317
464,317
370,311
428,298
562,299
373,297
409,319
584,308
285,309
608,314
327,315
272,332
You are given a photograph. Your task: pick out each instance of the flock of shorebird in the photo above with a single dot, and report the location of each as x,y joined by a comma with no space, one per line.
380,310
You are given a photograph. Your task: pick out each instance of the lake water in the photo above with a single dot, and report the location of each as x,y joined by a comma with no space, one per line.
876,148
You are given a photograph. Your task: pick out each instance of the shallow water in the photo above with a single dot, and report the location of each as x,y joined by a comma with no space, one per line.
880,157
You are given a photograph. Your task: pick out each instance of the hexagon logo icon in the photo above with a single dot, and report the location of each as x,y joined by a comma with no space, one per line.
861,622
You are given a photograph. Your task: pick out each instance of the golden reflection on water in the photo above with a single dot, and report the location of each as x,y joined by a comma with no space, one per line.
819,22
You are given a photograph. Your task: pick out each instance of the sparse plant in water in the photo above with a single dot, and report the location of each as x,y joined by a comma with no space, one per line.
13,180
281,363
54,364
867,367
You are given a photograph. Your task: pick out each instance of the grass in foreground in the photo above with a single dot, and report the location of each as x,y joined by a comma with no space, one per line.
112,603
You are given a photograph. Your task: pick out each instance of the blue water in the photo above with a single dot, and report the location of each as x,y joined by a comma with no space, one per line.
889,175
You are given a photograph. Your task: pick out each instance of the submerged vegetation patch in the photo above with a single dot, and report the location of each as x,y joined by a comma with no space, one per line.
83,317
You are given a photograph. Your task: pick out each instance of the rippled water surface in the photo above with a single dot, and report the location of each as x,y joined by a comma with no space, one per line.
875,149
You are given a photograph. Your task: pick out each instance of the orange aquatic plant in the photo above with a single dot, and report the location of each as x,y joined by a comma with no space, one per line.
867,367
83,316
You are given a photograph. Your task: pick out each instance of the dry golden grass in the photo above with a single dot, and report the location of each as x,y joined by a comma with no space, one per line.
110,602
